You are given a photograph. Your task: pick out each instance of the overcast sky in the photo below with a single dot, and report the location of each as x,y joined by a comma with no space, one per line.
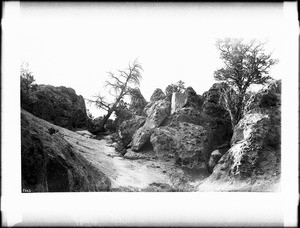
74,44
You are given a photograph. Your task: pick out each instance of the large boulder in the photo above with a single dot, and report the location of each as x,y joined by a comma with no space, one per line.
129,127
216,117
185,142
193,99
58,105
51,164
158,94
178,101
137,103
254,156
156,114
186,107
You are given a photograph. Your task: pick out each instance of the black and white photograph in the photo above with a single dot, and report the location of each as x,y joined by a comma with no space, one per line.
181,100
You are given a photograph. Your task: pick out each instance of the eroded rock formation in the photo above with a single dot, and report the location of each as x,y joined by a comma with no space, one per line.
156,114
58,105
178,101
185,142
137,103
129,127
216,118
253,161
51,164
158,94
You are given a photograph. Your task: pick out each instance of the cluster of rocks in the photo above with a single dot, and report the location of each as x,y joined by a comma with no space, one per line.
196,133
178,130
58,105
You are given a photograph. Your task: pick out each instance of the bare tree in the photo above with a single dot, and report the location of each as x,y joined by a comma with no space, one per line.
245,64
119,86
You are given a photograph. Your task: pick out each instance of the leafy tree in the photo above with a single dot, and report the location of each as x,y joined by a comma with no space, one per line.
119,86
177,87
26,79
245,64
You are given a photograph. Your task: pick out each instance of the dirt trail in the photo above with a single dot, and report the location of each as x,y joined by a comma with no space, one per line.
134,171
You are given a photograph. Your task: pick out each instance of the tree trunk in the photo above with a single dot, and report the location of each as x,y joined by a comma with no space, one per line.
105,119
240,108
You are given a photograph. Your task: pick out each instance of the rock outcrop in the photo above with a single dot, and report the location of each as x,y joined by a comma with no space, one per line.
156,114
58,105
185,142
157,95
193,99
216,117
129,127
253,161
137,103
51,164
188,108
178,101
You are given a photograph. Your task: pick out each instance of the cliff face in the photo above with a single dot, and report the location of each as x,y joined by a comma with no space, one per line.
253,161
58,105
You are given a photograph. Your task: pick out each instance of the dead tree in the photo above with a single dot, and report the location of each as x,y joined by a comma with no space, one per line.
119,86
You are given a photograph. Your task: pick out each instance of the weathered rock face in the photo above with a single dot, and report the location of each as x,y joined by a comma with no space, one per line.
158,94
254,155
186,142
188,115
193,99
50,164
187,108
267,97
178,101
129,127
216,117
156,114
58,105
138,102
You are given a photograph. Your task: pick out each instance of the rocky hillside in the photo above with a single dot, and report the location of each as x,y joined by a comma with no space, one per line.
58,105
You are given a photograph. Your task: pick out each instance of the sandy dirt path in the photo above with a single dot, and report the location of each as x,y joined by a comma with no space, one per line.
134,171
